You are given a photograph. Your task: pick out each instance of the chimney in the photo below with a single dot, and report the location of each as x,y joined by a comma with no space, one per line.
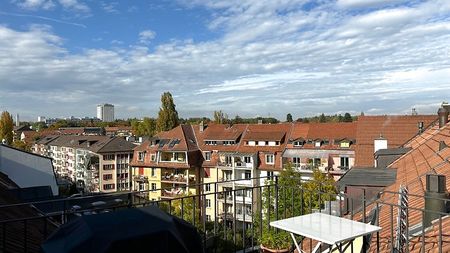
420,127
379,143
202,126
435,198
443,114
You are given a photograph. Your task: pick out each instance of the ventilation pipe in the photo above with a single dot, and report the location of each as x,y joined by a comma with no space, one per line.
436,198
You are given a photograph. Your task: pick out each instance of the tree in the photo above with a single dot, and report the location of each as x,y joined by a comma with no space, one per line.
289,117
6,127
347,117
322,118
219,117
168,115
145,128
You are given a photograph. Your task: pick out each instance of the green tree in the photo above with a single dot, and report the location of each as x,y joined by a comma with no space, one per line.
21,145
289,117
291,197
145,128
322,118
219,117
168,115
6,127
347,117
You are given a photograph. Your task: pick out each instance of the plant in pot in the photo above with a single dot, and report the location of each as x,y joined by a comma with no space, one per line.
273,242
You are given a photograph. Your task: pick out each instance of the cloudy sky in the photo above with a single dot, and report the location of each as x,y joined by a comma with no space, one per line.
245,57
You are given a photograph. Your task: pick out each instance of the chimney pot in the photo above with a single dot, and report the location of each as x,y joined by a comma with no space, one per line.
443,116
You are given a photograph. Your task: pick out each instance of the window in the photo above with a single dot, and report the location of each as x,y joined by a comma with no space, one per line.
153,157
247,159
141,156
227,160
153,172
318,144
345,144
316,162
208,156
298,143
211,142
270,175
208,217
227,175
107,177
269,159
153,186
108,166
344,163
229,142
141,187
296,160
108,157
261,143
248,175
208,203
108,186
207,187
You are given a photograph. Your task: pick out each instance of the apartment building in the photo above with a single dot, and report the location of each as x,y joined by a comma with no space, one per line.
95,163
329,147
170,161
237,157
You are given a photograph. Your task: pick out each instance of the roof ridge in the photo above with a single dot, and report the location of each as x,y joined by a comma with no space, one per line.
242,137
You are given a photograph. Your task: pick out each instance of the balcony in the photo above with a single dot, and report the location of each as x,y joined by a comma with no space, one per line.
178,179
26,227
140,178
243,165
225,166
172,193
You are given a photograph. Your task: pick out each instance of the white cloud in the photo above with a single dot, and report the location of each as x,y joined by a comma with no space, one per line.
366,3
146,36
273,57
74,5
35,4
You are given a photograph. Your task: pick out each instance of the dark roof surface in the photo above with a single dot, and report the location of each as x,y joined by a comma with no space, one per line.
368,177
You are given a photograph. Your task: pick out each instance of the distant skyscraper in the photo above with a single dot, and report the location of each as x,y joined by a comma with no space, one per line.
41,119
105,112
17,120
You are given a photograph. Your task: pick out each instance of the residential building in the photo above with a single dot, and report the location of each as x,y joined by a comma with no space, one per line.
105,112
170,161
329,147
95,163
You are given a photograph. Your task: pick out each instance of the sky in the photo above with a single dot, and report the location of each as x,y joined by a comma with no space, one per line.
60,58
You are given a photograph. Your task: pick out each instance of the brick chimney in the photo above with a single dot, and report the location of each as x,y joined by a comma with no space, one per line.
435,198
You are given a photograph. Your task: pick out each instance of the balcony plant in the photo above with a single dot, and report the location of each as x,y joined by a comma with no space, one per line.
302,197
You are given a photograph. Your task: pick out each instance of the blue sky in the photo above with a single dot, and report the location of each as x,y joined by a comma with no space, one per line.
244,57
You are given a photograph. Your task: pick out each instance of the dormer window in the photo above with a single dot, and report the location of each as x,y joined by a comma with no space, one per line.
270,159
141,156
207,156
345,144
261,143
211,142
298,143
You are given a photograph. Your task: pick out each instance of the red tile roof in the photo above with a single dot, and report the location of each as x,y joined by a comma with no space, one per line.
412,168
396,129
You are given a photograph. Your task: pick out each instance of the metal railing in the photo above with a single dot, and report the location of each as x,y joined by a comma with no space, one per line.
234,223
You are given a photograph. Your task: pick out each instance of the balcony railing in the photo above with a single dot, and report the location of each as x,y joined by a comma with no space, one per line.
178,178
226,229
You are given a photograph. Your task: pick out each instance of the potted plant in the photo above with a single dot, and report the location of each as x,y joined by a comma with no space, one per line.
275,242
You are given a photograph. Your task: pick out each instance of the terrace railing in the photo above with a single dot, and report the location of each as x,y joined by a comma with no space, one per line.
220,222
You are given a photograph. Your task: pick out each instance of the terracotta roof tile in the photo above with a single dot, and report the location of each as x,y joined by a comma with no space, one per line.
412,169
398,130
